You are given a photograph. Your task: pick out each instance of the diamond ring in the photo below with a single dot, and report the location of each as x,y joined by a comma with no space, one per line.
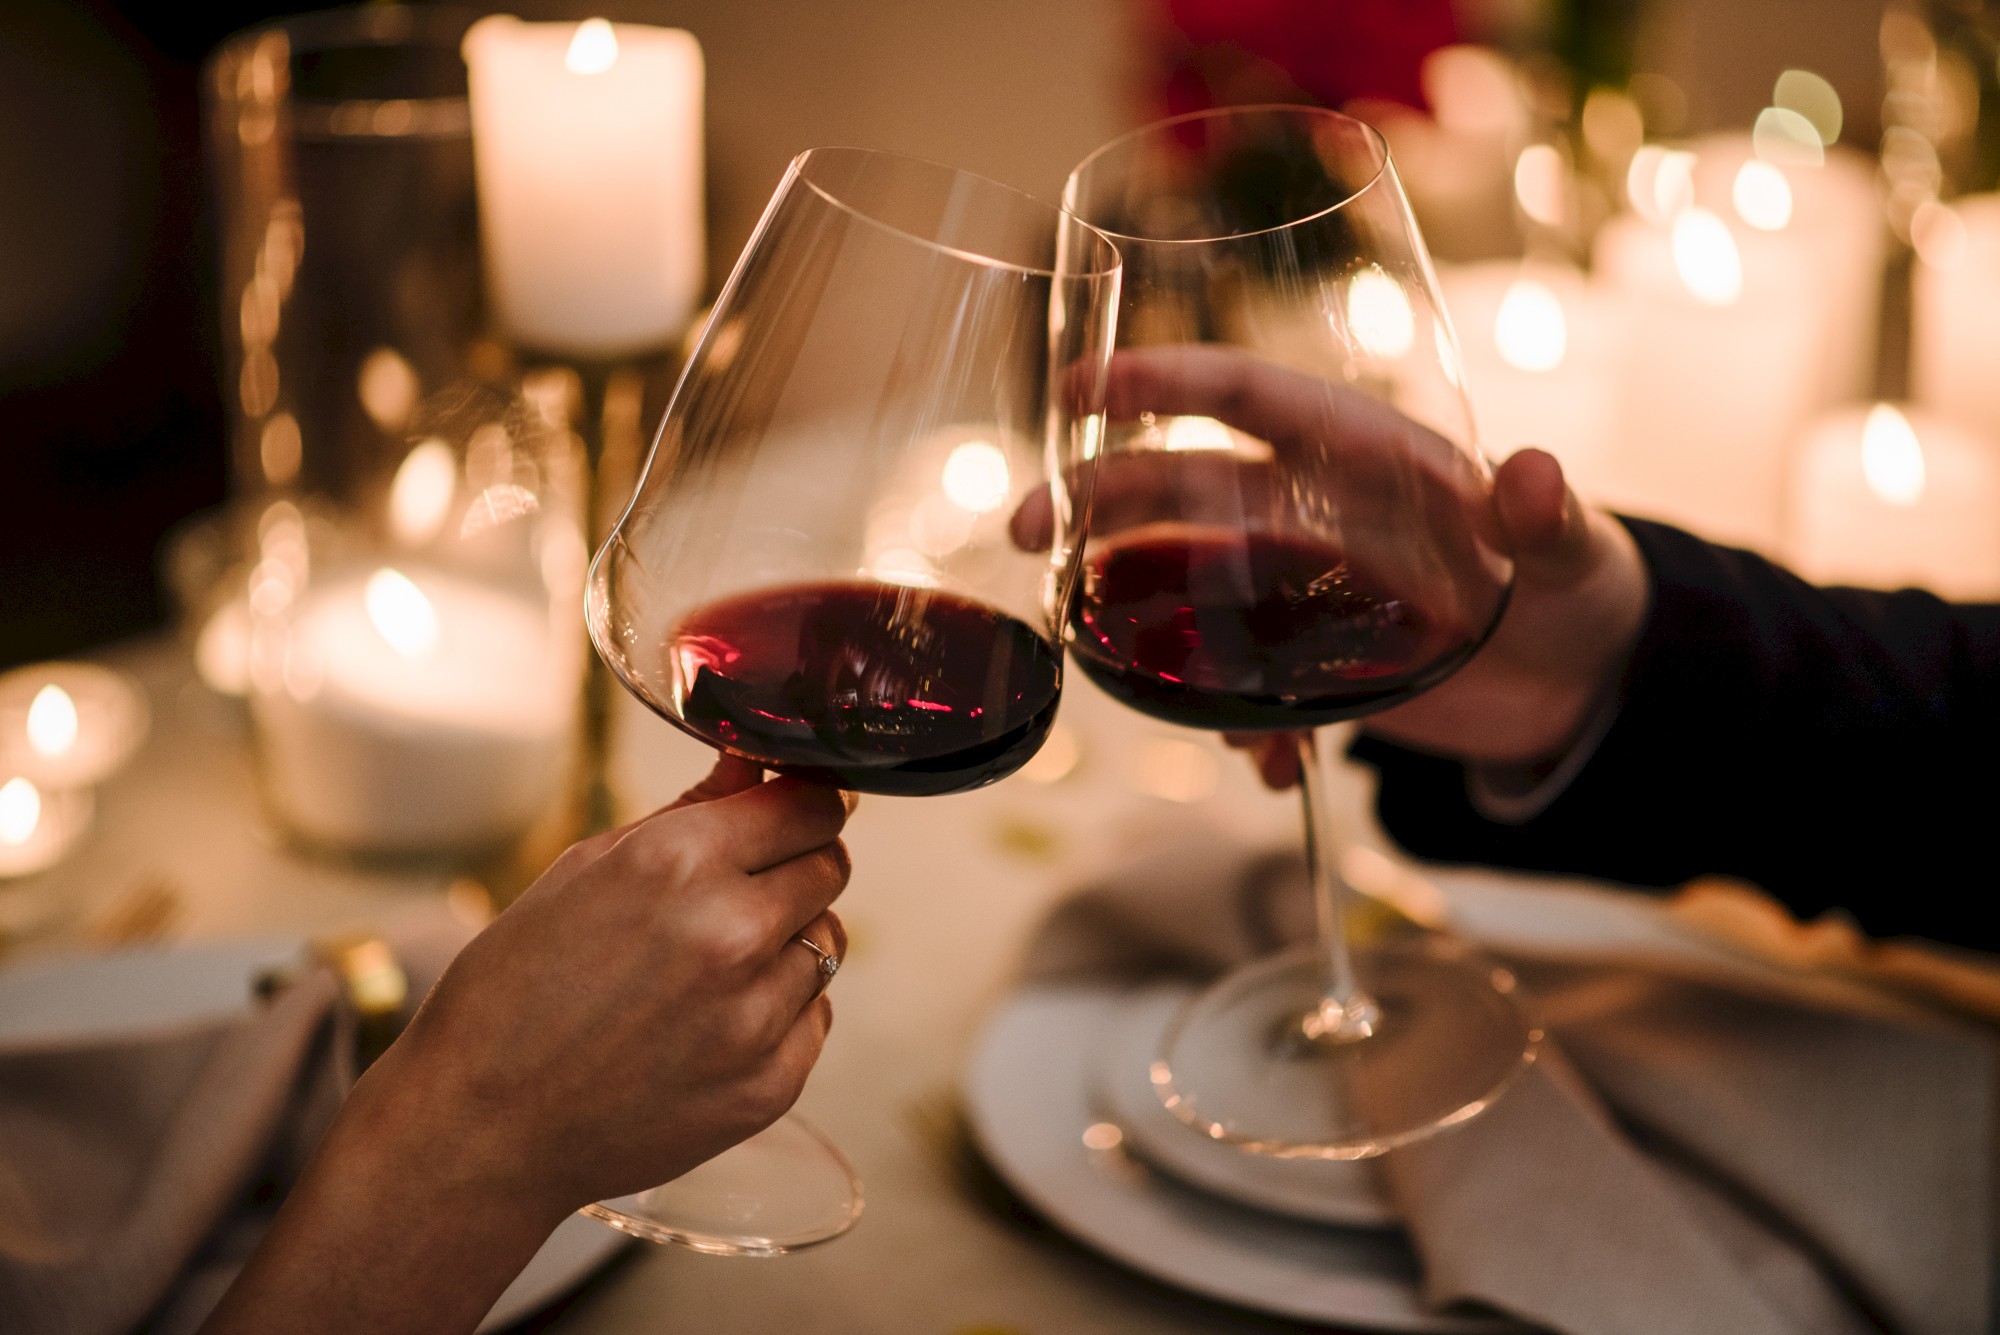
829,963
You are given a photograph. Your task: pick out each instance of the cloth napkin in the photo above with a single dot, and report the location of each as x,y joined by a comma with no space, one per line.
1707,1143
138,1170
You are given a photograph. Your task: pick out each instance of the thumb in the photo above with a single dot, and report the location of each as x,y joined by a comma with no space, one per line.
1544,521
730,774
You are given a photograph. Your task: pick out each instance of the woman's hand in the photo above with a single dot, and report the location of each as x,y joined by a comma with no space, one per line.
640,1009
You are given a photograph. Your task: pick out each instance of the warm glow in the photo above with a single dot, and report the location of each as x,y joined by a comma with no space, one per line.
1787,139
1660,182
594,49
1447,355
1102,1136
1197,433
1530,332
1812,97
388,388
1891,458
1378,313
1937,234
1057,758
20,811
1471,89
1176,770
905,566
976,476
420,497
401,613
1540,184
52,721
1763,197
1705,254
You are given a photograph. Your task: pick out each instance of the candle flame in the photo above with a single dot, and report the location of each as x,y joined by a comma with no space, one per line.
52,721
1660,182
1763,197
1540,184
1197,433
421,494
20,811
594,49
1891,458
401,614
1705,253
1530,332
976,476
1379,313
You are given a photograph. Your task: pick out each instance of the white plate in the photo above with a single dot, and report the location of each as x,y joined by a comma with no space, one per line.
1028,1094
1324,1192
132,991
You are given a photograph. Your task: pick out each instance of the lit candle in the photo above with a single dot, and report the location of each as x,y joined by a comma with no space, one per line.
1955,311
410,713
1724,368
37,828
1543,355
69,725
1816,232
1884,498
587,148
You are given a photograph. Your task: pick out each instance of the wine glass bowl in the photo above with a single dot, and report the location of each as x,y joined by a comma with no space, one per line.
818,571
1291,527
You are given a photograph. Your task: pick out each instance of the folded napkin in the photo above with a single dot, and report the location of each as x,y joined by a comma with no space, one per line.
139,1169
1708,1142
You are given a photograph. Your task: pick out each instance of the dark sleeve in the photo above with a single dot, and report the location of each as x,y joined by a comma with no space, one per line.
1838,747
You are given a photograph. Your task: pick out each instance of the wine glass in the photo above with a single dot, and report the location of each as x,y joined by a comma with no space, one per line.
816,572
1292,528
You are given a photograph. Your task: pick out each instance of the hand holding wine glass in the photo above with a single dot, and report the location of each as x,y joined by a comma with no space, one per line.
1579,594
1292,528
814,574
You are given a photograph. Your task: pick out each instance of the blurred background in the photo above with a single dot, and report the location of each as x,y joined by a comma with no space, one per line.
110,361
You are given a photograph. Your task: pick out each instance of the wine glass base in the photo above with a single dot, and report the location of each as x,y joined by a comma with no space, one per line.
784,1189
1238,1066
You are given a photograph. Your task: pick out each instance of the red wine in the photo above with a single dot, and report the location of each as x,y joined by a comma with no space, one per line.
873,687
1218,628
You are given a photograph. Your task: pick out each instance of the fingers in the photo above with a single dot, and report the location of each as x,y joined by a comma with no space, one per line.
803,969
758,827
800,890
1545,523
1276,756
729,775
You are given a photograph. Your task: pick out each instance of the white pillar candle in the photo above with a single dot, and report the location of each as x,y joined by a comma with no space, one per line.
587,147
69,725
38,828
1816,231
1885,498
1544,356
414,713
1955,313
1723,369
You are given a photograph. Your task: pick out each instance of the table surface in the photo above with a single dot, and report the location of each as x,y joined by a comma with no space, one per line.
944,896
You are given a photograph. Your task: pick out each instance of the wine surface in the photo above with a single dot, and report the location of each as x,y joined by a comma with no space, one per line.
874,687
1221,628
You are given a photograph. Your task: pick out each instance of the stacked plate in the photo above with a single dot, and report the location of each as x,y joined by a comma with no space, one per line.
1060,1095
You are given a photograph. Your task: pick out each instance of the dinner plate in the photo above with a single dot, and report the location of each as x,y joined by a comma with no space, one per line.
1029,1095
1325,1192
129,991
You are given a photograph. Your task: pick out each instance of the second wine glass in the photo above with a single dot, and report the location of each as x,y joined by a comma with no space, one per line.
818,573
1292,528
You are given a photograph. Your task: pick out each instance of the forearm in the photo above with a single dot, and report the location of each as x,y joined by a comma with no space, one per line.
1813,741
397,1225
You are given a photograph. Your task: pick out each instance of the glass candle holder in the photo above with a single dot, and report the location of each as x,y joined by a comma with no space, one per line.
414,666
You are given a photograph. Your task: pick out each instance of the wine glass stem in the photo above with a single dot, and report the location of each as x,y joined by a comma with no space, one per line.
1346,1013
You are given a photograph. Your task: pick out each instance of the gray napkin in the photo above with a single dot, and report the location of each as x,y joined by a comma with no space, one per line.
1698,1149
139,1170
